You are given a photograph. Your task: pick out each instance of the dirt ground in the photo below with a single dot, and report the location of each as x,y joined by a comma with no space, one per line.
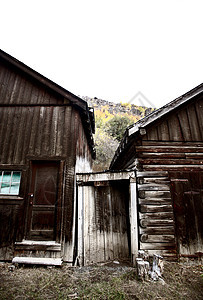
102,281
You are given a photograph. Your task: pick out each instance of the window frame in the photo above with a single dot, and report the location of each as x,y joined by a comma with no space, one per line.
10,182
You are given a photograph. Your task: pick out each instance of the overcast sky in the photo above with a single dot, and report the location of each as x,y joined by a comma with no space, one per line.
109,49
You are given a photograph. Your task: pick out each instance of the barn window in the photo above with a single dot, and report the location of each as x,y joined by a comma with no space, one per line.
9,182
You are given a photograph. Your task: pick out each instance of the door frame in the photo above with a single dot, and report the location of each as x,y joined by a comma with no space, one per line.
87,179
59,201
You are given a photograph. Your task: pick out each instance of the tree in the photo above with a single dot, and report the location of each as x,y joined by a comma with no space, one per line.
105,149
117,126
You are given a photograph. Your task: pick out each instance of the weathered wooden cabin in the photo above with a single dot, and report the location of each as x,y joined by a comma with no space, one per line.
51,204
152,196
107,217
165,150
45,138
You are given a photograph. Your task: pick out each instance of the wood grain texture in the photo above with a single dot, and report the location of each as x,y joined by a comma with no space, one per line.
38,124
106,229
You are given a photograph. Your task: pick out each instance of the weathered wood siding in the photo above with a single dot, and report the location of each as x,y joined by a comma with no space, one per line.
104,229
37,123
184,124
168,148
18,88
156,155
187,196
173,145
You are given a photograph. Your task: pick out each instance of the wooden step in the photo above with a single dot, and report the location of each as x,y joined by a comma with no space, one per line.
38,245
38,249
37,261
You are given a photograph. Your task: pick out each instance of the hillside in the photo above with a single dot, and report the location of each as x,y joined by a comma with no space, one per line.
117,108
111,121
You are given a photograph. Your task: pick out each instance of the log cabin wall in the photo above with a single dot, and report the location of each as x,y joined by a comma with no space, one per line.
156,220
166,150
37,124
173,147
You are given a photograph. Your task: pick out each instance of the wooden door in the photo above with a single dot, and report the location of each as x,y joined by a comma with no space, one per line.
187,193
42,197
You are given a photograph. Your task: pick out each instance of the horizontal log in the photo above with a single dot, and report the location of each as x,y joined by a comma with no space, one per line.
156,208
153,223
173,144
165,253
154,201
160,161
153,187
157,180
157,246
172,167
147,238
157,230
151,174
146,155
179,180
194,155
154,194
156,215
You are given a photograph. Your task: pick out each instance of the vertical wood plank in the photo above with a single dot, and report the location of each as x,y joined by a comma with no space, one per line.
33,135
174,129
133,219
92,226
86,225
194,125
163,132
80,240
184,124
199,110
27,136
152,134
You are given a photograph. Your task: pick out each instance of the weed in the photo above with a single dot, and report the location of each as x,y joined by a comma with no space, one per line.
180,282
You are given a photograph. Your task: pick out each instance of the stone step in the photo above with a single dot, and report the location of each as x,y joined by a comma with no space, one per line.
37,261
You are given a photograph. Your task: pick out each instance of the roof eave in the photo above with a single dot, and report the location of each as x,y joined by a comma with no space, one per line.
159,113
77,102
154,116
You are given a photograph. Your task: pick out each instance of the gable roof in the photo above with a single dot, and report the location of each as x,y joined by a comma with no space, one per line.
86,113
132,130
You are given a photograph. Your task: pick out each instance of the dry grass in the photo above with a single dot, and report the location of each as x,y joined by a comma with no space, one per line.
109,281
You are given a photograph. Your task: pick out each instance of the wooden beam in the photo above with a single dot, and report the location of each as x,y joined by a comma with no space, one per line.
157,246
172,167
153,187
133,220
157,223
151,174
155,208
161,238
168,162
157,215
105,176
157,230
80,240
37,261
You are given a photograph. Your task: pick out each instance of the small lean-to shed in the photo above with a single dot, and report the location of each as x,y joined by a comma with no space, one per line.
107,217
45,138
165,149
